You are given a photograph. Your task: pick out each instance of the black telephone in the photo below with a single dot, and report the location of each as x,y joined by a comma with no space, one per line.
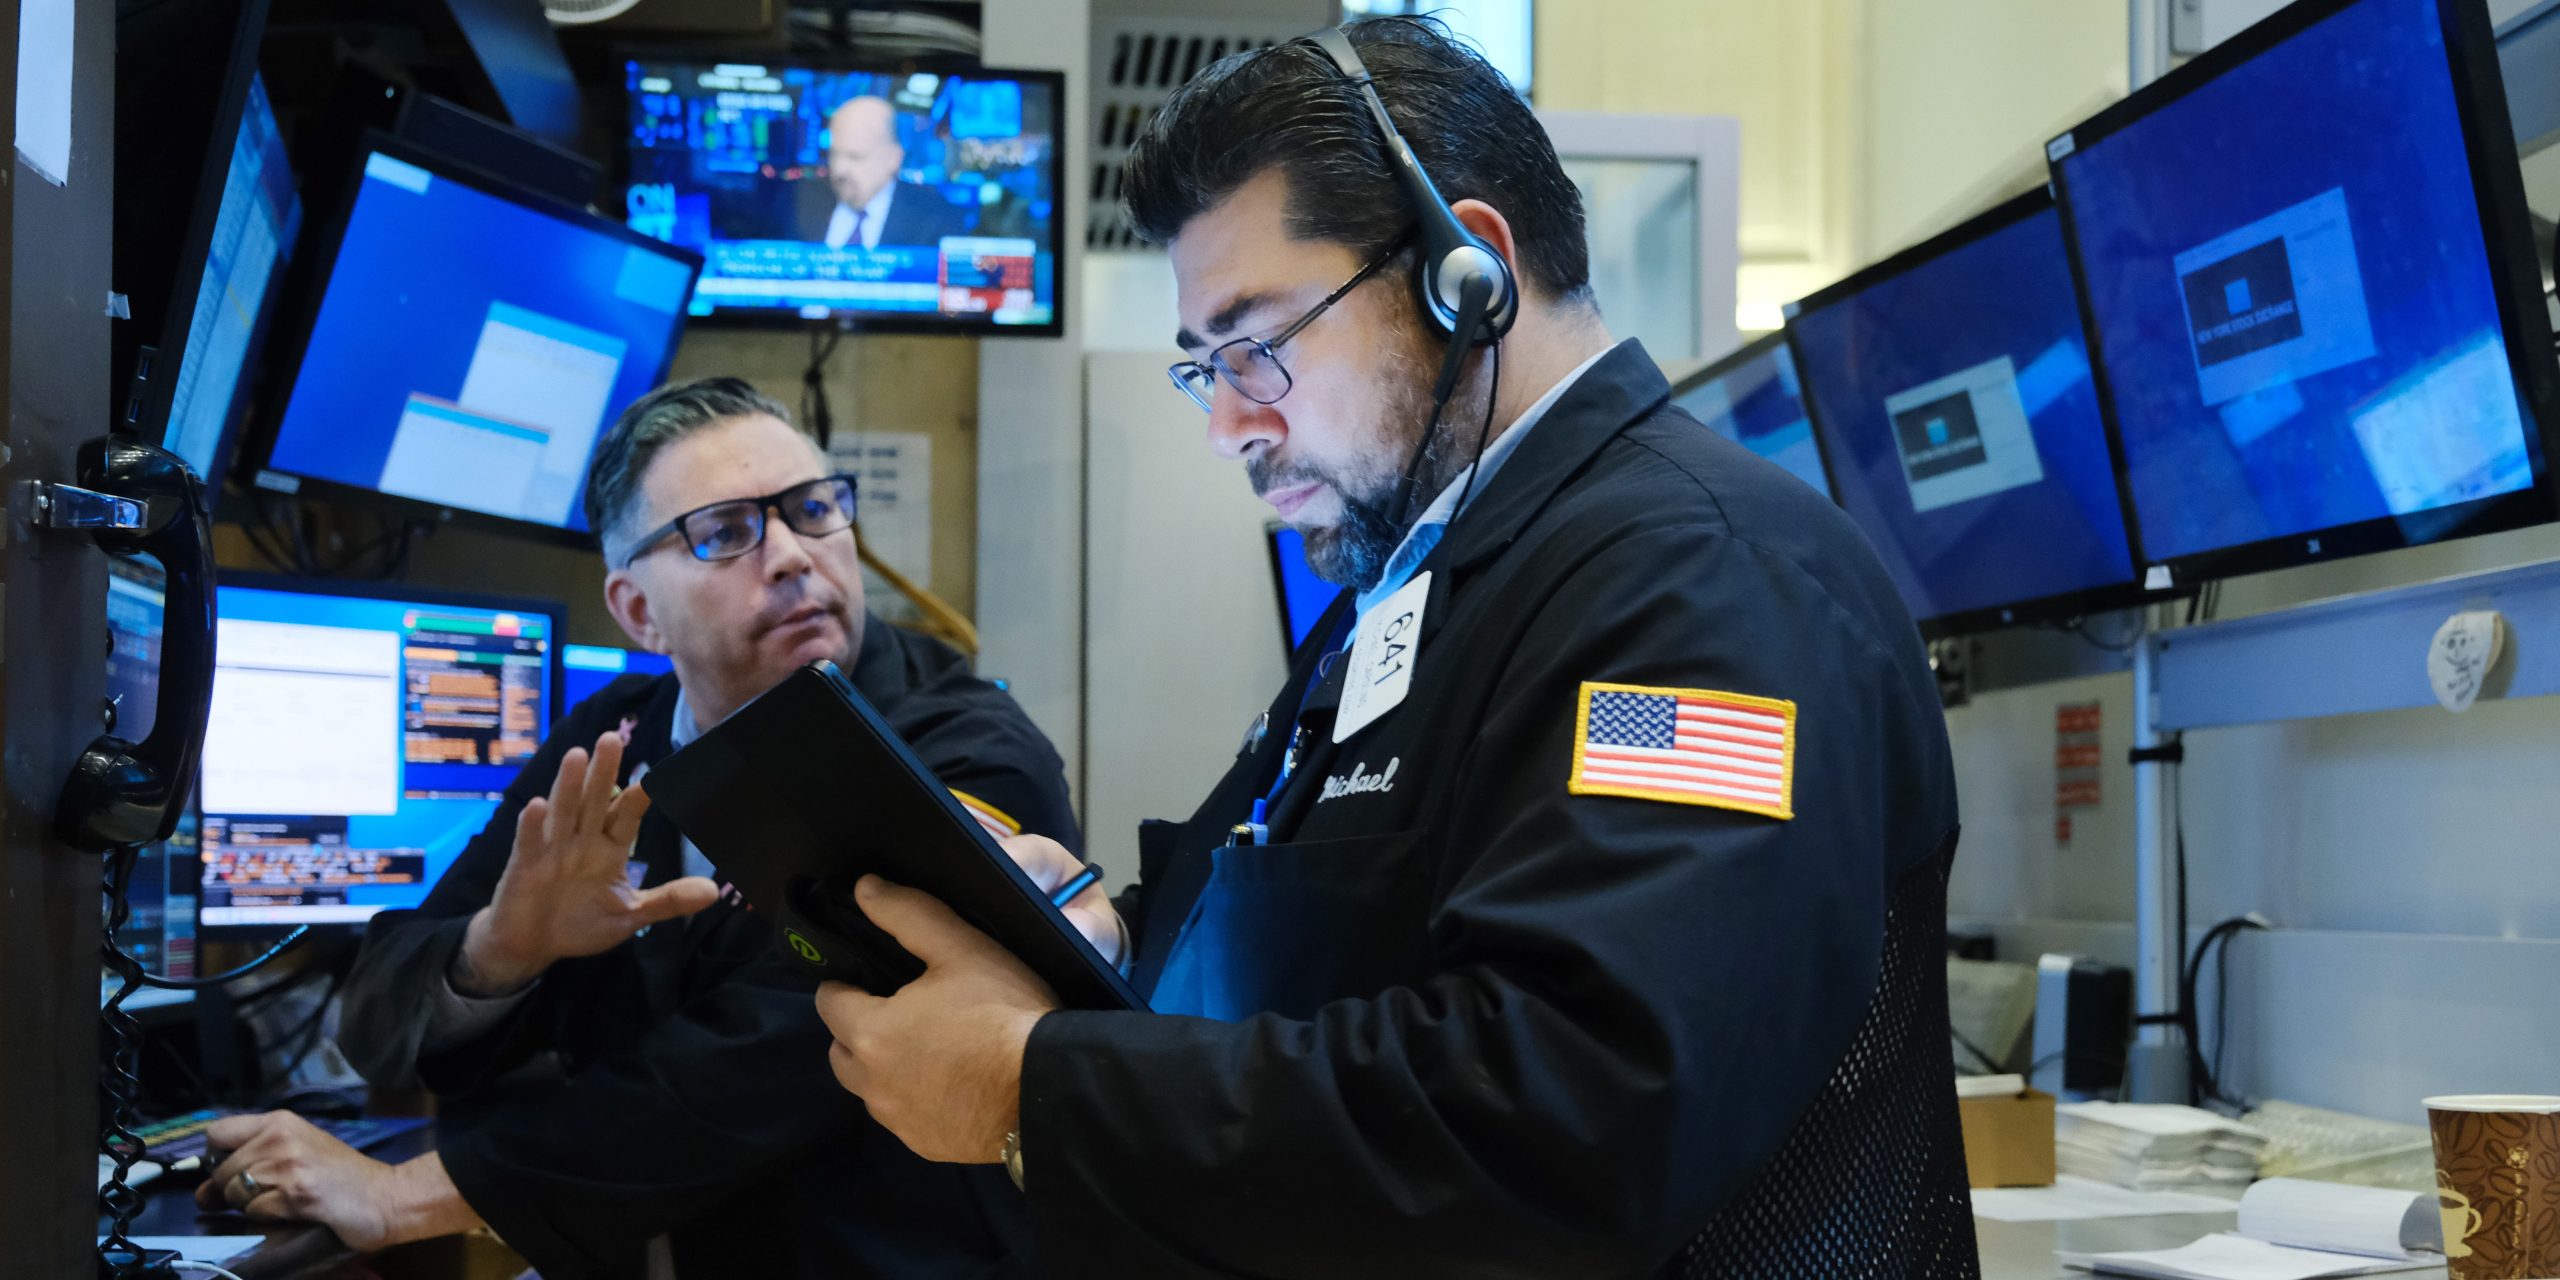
122,793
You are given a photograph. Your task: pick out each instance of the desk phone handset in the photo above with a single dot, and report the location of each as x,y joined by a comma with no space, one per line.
143,501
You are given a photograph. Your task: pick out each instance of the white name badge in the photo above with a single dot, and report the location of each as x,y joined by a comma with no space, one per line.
1382,654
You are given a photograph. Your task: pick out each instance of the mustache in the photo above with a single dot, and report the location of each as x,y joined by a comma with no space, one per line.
775,613
1269,476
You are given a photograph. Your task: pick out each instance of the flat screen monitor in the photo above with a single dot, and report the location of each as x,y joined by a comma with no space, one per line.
182,87
2312,291
1950,390
468,344
588,668
253,236
882,197
1752,398
358,739
1303,596
159,930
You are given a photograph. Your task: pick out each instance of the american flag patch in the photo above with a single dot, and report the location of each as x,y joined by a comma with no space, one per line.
1685,746
997,822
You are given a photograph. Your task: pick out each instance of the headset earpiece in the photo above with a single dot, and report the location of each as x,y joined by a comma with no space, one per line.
1449,255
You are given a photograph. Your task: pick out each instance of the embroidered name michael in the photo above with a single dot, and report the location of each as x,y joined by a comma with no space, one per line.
1359,782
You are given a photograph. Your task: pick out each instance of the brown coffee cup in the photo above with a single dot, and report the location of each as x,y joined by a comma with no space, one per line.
2498,1184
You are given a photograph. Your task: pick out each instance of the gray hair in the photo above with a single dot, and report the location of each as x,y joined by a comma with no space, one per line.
653,422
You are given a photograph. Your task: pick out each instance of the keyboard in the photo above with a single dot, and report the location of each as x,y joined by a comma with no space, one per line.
169,1141
2334,1146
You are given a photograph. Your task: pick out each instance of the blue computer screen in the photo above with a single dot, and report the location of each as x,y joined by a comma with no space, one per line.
356,744
936,204
253,233
2292,294
1303,596
469,349
586,668
1962,425
1757,403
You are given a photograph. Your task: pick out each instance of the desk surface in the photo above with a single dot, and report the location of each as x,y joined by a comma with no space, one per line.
2024,1250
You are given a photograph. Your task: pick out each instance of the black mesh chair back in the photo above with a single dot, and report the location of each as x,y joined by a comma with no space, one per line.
1871,1183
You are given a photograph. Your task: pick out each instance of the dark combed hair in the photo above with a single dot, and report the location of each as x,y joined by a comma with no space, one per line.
1288,107
653,422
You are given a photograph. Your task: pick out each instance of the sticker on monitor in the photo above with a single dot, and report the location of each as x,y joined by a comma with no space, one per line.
2276,301
1964,436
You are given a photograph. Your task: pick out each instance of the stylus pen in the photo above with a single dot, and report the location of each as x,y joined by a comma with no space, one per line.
1083,880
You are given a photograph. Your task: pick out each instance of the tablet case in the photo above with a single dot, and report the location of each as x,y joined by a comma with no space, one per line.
807,789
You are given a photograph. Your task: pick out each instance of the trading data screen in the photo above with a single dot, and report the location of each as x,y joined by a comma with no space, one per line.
2293,298
355,745
1962,424
891,195
587,668
1754,400
469,348
253,234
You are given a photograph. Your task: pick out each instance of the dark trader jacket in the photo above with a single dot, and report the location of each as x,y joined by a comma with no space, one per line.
678,1084
1471,1023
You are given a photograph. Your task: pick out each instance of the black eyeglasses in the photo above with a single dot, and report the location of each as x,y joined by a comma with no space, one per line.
1252,365
727,530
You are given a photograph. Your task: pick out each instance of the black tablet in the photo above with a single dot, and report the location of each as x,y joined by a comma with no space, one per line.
807,789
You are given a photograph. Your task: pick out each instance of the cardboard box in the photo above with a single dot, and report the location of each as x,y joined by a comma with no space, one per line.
2008,1139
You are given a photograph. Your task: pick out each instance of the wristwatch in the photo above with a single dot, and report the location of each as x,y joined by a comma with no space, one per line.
1011,1155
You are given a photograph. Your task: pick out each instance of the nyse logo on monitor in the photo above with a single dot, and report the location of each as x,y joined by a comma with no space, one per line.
1964,436
2243,303
2271,303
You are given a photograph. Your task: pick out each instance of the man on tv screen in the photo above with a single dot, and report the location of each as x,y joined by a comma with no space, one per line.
862,203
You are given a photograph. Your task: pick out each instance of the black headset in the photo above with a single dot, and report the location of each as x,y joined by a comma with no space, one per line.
1465,288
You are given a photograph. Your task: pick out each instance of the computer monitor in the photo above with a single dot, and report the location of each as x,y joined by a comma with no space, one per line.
877,196
234,302
359,737
1303,597
2312,291
1752,398
1949,387
588,668
159,929
183,80
467,345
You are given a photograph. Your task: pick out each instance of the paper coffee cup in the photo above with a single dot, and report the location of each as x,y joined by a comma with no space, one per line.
2498,1184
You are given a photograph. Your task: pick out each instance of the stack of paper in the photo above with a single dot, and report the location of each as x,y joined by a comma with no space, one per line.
2150,1146
2296,1230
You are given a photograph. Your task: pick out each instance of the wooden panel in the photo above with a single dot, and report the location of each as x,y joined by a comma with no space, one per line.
52,675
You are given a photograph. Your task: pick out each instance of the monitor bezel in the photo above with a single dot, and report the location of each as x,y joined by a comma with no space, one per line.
2058,607
866,322
292,341
149,420
1774,340
555,610
2497,186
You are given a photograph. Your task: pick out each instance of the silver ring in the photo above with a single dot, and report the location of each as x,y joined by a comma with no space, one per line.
249,1183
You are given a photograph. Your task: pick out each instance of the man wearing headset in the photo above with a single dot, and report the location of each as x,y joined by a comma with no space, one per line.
1577,909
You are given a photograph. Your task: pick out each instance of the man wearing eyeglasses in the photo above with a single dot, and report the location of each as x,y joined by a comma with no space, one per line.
632,1081
1577,908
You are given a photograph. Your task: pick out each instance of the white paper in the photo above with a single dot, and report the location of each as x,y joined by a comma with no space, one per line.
893,480
2224,1256
2001,1086
2072,1199
2372,1221
44,88
215,1249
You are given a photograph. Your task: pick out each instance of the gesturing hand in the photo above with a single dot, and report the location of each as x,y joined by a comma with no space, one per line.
564,892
